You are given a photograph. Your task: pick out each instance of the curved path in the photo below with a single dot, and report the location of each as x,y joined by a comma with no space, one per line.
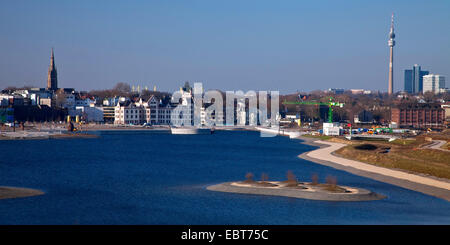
427,185
436,145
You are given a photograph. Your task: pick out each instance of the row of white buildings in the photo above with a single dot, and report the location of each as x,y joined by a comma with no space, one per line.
157,111
25,97
153,112
76,103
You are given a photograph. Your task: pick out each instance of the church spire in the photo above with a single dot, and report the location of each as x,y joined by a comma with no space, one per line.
52,79
52,59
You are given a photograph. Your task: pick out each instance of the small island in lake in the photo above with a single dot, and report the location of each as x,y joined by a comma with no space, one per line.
7,192
329,191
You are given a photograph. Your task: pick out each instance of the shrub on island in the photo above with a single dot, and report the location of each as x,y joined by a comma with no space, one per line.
291,179
249,178
314,179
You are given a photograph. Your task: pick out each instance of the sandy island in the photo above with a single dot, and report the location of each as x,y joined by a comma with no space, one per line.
15,192
301,190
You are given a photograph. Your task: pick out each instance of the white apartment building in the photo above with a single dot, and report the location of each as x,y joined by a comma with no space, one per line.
158,113
129,113
433,83
153,112
88,113
183,113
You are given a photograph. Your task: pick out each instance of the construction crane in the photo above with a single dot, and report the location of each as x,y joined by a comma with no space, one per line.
330,105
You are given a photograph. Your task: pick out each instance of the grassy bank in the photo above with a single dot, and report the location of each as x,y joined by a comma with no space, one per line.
401,154
319,137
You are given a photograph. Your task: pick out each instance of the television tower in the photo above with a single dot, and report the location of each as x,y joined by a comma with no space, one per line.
391,44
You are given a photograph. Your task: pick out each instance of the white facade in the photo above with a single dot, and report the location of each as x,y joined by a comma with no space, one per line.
5,98
433,83
88,113
35,95
130,114
241,113
183,113
357,91
153,112
157,112
444,90
111,101
164,113
332,129
45,101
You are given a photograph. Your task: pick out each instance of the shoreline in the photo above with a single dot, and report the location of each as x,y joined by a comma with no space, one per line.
90,132
311,193
160,128
32,135
324,156
8,192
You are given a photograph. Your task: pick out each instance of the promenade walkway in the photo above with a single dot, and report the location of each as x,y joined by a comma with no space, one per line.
427,185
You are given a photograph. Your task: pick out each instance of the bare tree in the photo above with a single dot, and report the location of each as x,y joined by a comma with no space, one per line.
291,179
60,98
264,177
331,182
122,87
249,177
314,179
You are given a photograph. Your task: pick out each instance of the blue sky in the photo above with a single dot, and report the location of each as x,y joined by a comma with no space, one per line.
228,45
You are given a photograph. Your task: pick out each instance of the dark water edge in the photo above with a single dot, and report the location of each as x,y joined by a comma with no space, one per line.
145,177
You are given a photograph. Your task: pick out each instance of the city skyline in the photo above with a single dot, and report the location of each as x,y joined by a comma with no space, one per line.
414,79
191,120
153,44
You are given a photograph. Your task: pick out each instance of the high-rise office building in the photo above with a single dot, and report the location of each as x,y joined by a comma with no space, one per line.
414,79
433,83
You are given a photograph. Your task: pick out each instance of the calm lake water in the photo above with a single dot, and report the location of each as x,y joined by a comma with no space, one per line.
158,178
